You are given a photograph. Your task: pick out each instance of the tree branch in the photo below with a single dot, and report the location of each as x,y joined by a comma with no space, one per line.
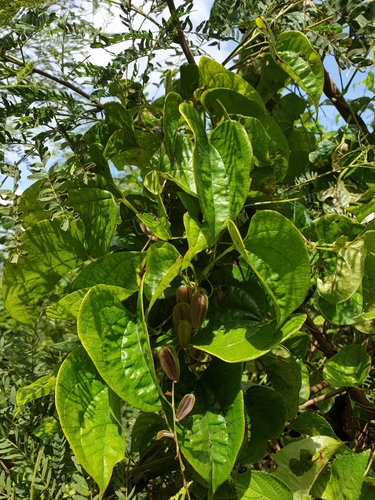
337,99
180,38
317,399
60,81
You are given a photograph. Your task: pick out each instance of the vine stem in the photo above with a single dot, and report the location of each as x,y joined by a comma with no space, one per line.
317,399
178,453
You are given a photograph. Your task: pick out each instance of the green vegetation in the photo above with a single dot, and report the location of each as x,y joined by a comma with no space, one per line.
188,309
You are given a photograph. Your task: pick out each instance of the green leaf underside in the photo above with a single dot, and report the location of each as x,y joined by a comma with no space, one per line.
301,62
118,345
347,277
222,166
90,416
276,251
349,367
51,253
235,339
211,435
256,485
313,424
299,463
120,269
285,375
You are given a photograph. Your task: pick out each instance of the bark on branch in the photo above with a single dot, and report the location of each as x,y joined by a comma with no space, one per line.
337,99
180,37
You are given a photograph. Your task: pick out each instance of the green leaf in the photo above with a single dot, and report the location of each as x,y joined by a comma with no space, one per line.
276,251
349,367
47,429
197,235
330,227
313,424
163,264
122,269
68,307
189,80
96,208
222,166
49,254
43,386
118,344
299,463
344,479
219,101
301,62
210,436
144,431
285,375
266,409
348,273
256,485
90,417
155,226
214,75
234,336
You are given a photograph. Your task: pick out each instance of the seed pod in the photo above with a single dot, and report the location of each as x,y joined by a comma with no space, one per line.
184,333
199,306
181,312
164,434
186,405
183,294
169,362
145,229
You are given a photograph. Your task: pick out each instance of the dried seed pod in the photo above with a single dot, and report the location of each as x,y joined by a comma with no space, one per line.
183,294
184,333
169,362
164,434
181,312
199,306
185,406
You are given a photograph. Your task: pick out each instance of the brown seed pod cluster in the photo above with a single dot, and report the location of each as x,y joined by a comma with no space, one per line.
189,312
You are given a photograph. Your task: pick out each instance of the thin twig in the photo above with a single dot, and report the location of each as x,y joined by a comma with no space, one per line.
317,399
180,38
318,387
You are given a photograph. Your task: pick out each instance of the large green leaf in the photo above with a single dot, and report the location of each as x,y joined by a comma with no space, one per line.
256,485
49,254
122,269
90,415
348,273
118,344
222,166
300,61
266,409
299,463
344,479
349,367
214,75
211,435
285,375
95,206
234,336
68,307
276,251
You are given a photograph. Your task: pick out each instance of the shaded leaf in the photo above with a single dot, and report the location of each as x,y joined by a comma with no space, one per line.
349,367
254,485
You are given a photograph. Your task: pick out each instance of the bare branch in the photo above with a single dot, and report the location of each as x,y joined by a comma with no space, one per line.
180,38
